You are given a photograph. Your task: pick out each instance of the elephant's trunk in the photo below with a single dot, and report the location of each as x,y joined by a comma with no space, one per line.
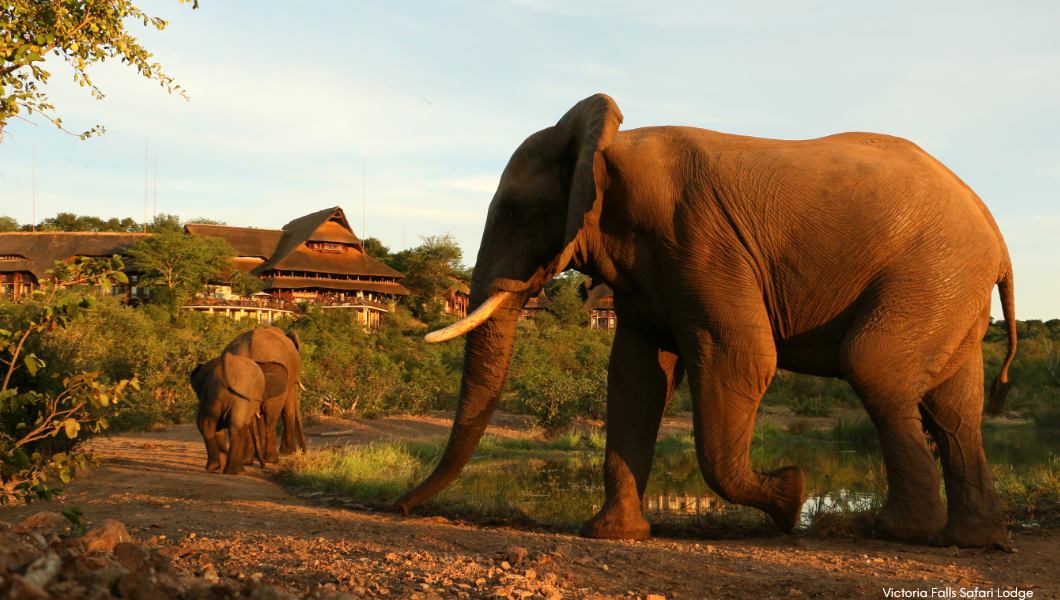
487,355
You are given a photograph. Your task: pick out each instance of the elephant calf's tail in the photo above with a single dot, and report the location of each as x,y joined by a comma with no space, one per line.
1008,307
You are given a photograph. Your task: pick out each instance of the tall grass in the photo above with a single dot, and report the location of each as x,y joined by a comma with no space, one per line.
859,431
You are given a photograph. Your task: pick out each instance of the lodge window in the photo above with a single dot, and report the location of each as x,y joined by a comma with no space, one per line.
329,247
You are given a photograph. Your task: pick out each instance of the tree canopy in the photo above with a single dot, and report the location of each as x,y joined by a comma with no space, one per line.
179,263
63,221
81,32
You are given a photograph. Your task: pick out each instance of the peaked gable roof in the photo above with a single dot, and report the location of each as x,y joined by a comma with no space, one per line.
328,225
600,296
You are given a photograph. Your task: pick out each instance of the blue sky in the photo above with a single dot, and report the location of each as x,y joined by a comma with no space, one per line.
288,98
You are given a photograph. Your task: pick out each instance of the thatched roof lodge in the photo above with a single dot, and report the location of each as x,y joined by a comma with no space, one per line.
316,259
601,307
26,256
534,305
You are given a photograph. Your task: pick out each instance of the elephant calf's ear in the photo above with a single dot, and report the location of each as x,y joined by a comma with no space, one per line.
196,370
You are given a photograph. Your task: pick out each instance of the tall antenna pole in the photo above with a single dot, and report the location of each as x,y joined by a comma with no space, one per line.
155,201
34,188
147,161
362,199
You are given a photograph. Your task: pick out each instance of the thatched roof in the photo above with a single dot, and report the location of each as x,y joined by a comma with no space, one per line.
600,297
286,251
248,241
540,301
37,252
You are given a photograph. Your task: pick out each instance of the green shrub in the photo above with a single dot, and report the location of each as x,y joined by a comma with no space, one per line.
812,406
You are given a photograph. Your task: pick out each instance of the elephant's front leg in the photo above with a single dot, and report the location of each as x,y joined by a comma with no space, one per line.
641,377
728,378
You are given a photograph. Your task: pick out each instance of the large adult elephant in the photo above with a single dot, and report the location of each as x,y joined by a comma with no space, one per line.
230,390
280,358
856,256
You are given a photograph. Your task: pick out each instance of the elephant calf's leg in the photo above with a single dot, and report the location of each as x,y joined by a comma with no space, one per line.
641,377
952,415
208,429
236,449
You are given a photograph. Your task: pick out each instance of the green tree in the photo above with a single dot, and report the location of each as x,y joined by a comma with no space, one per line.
39,428
374,248
164,223
178,265
81,32
205,221
567,292
245,284
433,267
8,224
73,222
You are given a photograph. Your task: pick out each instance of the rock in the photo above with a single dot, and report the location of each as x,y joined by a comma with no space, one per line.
537,557
516,554
211,576
130,556
105,537
559,551
505,565
43,520
22,589
43,570
655,597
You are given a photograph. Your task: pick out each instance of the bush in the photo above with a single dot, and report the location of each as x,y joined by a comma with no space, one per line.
813,406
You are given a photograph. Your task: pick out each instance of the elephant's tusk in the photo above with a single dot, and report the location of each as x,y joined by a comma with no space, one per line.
481,314
301,386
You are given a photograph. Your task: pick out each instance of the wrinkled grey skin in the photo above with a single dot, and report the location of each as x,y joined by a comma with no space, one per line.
230,390
856,256
280,358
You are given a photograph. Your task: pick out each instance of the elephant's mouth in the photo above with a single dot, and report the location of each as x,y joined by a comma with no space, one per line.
478,317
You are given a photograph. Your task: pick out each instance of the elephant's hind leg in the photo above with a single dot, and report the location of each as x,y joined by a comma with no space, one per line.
891,382
952,414
641,377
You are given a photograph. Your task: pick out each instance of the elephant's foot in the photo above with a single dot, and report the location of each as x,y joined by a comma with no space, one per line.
213,465
272,457
787,495
975,532
617,521
904,521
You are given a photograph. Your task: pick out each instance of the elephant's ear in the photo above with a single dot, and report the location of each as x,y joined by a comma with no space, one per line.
590,126
293,335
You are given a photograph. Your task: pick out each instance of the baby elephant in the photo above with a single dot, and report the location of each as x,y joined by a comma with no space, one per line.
230,390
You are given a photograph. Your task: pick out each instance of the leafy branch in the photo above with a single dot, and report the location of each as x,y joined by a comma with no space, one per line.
34,420
81,32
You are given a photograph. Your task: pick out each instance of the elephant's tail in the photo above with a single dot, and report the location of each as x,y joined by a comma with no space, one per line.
1008,308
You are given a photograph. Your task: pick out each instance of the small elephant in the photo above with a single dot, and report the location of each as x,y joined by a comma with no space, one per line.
856,256
230,390
279,357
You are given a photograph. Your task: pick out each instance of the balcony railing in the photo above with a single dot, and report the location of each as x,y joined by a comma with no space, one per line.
287,304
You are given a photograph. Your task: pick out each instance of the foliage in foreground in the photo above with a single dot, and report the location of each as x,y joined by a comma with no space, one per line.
42,419
82,32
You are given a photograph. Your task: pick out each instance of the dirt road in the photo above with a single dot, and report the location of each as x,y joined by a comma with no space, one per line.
240,526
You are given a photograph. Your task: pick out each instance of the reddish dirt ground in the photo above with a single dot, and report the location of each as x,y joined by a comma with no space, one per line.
154,482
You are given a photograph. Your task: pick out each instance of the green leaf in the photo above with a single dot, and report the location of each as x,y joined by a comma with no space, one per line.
32,364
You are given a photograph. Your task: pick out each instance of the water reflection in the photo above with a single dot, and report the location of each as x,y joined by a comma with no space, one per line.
571,489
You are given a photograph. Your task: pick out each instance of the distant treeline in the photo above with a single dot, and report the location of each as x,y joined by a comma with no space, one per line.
161,223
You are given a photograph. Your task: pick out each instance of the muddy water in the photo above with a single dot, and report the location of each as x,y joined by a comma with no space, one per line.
571,489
